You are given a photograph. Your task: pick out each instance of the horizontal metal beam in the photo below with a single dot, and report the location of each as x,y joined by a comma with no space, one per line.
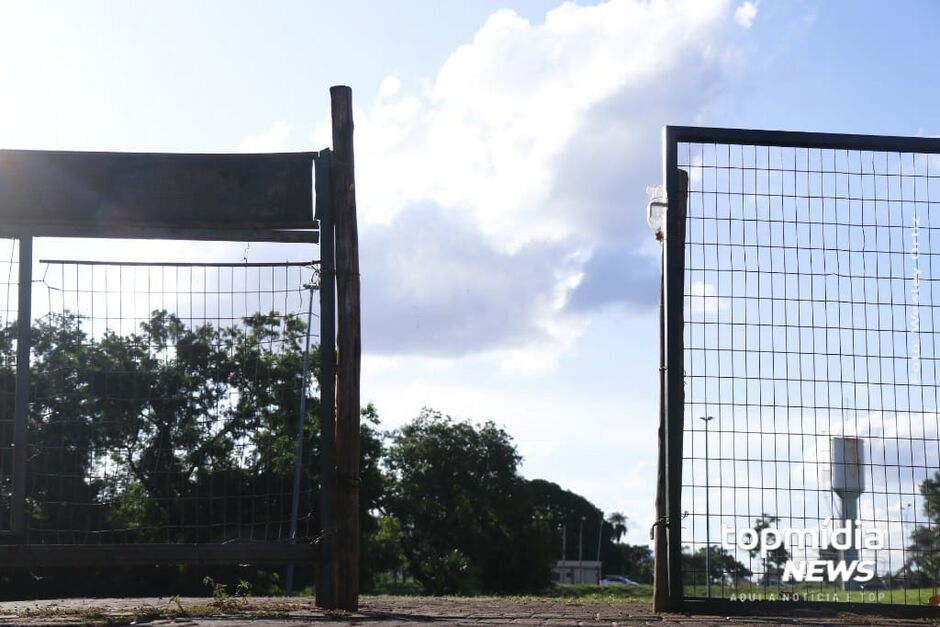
40,555
141,231
228,190
799,139
183,264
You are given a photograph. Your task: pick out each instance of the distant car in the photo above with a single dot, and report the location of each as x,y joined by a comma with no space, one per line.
617,580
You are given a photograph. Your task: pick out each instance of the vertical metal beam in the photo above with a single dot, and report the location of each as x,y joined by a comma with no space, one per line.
21,403
326,570
676,193
349,349
299,443
660,547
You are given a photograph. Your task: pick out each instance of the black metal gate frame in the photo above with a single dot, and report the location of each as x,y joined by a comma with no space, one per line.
673,397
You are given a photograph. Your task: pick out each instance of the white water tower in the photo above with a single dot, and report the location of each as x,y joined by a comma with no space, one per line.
847,461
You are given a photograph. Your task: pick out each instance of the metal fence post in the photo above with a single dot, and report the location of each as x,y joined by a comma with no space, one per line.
326,570
299,443
676,192
21,402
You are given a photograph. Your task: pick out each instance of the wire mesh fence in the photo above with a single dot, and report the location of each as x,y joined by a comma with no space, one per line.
810,373
164,401
9,272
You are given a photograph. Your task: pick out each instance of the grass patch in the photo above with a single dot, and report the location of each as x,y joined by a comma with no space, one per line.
565,591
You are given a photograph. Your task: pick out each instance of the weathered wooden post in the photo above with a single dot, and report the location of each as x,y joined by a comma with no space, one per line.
349,348
667,583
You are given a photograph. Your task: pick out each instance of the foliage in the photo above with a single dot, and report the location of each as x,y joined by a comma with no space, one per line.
774,562
922,566
577,520
129,434
634,561
222,599
467,517
574,518
722,566
383,550
618,525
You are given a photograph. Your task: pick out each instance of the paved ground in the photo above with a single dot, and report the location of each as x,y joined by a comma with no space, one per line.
381,612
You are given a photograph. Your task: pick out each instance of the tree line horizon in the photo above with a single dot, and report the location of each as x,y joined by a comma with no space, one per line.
185,433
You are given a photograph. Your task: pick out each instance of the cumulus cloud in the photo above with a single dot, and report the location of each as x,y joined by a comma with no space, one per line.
703,298
745,14
438,288
617,274
510,189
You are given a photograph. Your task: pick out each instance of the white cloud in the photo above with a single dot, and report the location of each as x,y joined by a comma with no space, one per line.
484,194
274,139
745,14
703,298
487,136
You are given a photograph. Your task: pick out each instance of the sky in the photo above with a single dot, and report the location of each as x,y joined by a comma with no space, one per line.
503,151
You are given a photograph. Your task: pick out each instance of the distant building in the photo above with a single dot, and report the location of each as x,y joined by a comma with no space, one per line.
575,571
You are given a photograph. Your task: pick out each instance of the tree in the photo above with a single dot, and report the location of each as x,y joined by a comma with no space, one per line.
171,433
776,558
468,519
630,560
722,566
567,511
570,514
923,554
618,524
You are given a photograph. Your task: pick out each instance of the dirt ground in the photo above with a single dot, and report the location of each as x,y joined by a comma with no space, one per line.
380,611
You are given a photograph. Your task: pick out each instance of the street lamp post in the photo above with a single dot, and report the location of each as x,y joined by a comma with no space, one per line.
708,535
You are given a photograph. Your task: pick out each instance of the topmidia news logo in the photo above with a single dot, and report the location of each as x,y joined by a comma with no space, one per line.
846,538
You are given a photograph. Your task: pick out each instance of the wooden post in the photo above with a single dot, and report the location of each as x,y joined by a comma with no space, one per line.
349,347
24,317
326,569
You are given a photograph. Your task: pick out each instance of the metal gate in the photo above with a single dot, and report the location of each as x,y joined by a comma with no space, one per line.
800,370
158,412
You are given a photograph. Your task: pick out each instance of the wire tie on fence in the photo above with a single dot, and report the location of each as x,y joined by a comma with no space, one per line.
664,521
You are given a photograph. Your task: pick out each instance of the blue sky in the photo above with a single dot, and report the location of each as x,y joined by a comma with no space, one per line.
503,152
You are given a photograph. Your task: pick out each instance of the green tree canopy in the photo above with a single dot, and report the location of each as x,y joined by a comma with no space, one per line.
468,519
